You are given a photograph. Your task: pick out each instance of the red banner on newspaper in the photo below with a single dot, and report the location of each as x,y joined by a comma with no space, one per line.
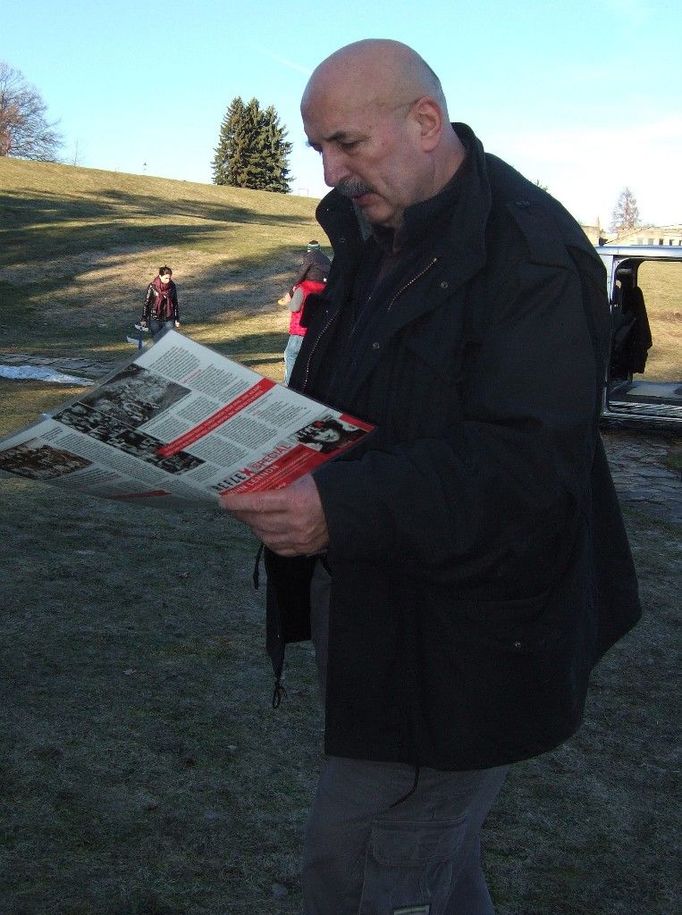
318,442
296,463
217,419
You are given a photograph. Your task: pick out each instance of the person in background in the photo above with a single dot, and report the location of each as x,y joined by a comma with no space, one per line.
314,266
464,567
310,278
161,307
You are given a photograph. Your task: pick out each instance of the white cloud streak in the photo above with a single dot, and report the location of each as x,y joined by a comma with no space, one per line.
285,62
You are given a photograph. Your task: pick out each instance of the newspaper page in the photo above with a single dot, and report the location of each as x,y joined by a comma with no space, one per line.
180,422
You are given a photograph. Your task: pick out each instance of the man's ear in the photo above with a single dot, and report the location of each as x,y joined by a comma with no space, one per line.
428,115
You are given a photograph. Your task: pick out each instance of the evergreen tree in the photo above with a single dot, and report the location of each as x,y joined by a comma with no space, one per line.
252,150
228,143
276,152
625,215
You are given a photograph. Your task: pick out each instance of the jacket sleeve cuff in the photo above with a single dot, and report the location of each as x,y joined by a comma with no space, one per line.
360,528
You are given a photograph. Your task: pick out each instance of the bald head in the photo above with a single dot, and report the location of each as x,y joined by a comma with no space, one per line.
376,112
379,71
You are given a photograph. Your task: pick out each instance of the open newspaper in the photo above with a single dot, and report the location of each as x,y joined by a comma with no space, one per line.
180,422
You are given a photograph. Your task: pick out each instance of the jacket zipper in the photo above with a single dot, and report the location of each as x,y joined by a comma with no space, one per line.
312,351
335,315
411,283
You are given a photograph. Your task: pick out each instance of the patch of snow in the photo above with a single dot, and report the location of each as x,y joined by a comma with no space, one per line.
38,373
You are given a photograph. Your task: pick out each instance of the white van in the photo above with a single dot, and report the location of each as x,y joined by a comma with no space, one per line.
644,378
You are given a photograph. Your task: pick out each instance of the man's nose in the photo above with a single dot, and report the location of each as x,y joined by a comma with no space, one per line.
334,166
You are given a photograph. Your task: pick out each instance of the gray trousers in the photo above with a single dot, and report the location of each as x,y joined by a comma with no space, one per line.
156,325
374,846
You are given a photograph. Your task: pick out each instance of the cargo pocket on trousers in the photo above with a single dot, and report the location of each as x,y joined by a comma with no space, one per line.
409,867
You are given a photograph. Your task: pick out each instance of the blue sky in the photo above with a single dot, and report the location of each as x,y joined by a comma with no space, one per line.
582,95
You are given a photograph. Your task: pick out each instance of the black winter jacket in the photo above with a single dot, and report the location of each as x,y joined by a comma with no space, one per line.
161,307
479,561
314,266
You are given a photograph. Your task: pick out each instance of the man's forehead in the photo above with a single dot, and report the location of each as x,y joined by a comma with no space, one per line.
331,118
348,86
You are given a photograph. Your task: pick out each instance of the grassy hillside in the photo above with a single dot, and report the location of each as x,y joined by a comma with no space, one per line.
78,247
143,769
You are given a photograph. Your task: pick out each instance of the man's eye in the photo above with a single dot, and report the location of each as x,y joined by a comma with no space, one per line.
348,145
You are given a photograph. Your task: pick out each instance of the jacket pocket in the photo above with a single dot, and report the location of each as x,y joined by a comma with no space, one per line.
410,866
522,625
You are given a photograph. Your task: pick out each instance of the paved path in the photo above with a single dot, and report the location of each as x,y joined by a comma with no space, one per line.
88,368
642,477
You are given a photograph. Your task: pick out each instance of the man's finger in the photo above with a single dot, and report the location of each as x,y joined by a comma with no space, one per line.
256,502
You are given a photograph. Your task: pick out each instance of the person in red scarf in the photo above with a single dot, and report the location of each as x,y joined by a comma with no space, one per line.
160,304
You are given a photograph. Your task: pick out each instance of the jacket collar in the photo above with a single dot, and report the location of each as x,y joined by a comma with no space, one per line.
456,254
460,210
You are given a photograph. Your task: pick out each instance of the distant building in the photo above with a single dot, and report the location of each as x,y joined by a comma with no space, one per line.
666,236
595,234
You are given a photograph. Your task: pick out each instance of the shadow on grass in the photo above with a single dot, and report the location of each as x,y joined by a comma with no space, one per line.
26,210
30,242
70,259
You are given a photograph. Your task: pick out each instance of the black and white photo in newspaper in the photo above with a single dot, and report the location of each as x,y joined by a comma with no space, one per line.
180,421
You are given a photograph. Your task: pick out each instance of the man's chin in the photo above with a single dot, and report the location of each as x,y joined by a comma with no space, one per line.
374,209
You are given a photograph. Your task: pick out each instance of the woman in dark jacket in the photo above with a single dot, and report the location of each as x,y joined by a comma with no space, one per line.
161,309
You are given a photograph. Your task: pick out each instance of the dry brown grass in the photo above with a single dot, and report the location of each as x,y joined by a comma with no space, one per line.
143,771
79,247
661,285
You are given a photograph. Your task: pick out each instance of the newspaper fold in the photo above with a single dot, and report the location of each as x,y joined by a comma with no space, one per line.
180,422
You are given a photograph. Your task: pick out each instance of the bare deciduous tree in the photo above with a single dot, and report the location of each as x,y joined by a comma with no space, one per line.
24,130
625,214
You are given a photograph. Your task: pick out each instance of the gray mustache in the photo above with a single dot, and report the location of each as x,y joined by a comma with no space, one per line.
351,188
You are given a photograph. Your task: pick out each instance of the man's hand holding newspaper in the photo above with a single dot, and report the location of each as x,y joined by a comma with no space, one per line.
289,521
